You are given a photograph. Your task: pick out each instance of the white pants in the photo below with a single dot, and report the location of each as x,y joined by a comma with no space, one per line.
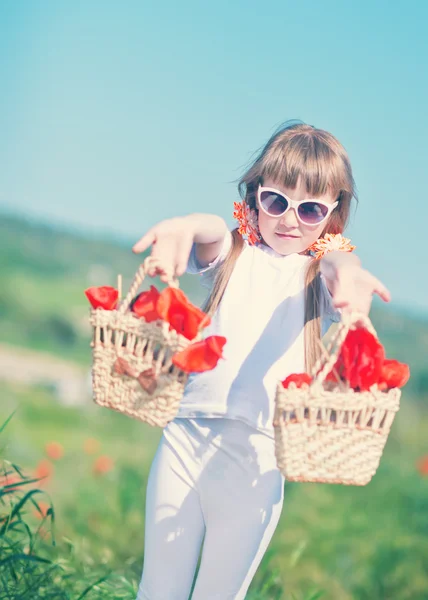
212,481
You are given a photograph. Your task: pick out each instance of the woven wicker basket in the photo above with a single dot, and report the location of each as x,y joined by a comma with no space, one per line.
336,435
132,370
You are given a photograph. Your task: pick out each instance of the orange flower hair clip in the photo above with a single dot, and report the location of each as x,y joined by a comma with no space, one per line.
330,243
247,219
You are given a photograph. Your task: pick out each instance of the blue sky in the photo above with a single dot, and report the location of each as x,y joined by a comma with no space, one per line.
116,115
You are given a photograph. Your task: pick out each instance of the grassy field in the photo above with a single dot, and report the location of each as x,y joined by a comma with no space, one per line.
338,543
365,543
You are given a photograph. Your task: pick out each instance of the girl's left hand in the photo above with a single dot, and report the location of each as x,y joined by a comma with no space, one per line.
351,286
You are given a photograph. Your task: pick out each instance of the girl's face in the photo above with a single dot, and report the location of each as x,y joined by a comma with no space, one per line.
286,234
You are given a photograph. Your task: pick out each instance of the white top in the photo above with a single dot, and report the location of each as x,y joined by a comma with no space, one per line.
262,317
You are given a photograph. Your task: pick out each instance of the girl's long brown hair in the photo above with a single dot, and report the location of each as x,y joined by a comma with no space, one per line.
297,152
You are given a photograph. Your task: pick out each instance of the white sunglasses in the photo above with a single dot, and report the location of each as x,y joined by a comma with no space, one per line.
309,212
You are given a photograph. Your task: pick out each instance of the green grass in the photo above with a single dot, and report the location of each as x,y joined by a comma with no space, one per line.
352,543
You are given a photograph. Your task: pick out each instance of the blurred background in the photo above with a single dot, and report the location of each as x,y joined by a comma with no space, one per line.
114,116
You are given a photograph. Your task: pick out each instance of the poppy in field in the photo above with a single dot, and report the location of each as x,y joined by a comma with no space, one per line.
44,470
54,450
422,465
102,465
9,479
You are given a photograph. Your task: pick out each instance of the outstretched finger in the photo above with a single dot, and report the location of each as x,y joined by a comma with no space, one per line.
381,290
145,242
183,253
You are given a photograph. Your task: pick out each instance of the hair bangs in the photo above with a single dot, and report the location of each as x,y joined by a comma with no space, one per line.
308,159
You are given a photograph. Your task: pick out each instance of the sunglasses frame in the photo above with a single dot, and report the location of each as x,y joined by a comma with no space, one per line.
295,205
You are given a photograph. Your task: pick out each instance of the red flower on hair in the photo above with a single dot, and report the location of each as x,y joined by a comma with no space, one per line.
300,379
104,297
360,360
393,375
248,224
183,316
144,305
201,356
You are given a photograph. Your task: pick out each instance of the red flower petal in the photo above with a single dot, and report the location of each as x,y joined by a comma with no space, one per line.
300,379
183,316
144,305
104,297
394,374
360,360
201,356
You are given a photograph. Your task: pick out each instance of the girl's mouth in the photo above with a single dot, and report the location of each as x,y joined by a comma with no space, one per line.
286,236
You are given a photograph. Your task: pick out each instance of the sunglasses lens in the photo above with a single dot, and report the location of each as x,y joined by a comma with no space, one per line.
273,204
312,213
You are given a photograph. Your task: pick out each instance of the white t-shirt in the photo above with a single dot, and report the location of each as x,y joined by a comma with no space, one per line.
262,317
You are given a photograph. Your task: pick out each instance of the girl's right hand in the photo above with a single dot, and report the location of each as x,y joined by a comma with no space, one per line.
171,242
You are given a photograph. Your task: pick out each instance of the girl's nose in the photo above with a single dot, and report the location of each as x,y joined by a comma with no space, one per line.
289,219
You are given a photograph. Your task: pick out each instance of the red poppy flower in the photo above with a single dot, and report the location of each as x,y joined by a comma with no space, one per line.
102,465
43,471
201,356
422,465
9,479
182,315
393,374
104,297
54,450
144,305
300,379
360,360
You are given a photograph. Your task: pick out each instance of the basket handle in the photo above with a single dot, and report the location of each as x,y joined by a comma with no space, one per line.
140,275
348,321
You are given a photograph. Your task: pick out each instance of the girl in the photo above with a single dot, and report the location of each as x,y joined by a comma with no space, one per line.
214,484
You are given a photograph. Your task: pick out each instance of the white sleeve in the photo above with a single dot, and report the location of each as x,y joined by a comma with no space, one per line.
193,265
208,272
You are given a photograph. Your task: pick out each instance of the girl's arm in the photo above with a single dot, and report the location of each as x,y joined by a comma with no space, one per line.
210,231
172,242
351,286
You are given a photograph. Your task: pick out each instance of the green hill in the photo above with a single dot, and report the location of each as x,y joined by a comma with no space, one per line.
43,273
